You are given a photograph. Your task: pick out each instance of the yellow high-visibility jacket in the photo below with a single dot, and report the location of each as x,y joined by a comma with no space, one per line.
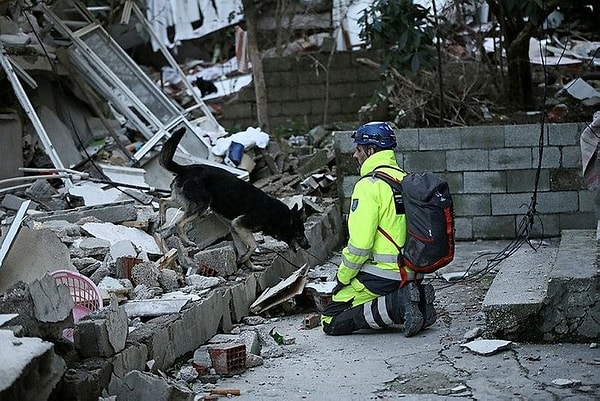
369,256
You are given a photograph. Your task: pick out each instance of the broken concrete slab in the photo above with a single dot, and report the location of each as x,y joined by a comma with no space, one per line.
154,307
513,302
136,385
30,367
552,295
13,202
46,195
94,194
113,213
51,302
33,254
221,257
114,233
102,333
571,310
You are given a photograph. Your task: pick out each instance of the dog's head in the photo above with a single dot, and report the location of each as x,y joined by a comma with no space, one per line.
295,236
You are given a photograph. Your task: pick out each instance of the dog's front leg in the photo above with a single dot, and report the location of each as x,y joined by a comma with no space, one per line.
182,231
245,244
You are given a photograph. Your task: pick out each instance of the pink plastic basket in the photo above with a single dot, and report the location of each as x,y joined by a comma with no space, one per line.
84,292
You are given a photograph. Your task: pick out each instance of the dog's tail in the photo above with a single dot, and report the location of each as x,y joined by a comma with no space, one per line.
168,151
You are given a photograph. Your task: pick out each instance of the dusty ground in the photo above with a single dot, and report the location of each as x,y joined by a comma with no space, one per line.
430,366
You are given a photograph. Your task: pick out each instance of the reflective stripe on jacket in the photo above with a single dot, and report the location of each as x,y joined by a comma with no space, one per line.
372,205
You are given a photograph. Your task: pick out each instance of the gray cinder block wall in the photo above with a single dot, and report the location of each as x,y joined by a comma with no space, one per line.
302,91
491,171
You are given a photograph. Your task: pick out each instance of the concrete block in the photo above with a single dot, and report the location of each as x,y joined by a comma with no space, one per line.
426,161
133,357
510,159
206,230
86,380
482,137
342,142
51,302
571,156
544,225
30,367
558,202
551,157
146,273
579,220
62,228
525,135
242,296
438,139
484,182
493,227
524,180
563,134
43,193
138,385
467,160
407,139
93,246
516,296
471,205
505,204
102,333
123,248
463,228
13,202
562,179
221,257
587,201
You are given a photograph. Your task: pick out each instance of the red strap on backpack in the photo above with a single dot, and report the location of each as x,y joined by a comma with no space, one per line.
403,273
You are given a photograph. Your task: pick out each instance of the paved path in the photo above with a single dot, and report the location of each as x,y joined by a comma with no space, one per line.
433,365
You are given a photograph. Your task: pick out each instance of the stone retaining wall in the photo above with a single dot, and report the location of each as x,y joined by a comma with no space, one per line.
491,171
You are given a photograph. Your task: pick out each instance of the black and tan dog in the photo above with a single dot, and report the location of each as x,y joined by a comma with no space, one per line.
197,187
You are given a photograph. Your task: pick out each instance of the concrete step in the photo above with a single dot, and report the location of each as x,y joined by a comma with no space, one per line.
548,295
516,297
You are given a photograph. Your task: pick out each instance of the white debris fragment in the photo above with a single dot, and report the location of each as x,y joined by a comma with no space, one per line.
487,347
473,333
562,383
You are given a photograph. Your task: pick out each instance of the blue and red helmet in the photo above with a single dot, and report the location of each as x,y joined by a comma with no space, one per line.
375,133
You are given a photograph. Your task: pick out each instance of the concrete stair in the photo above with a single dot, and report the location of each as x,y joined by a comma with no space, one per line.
548,295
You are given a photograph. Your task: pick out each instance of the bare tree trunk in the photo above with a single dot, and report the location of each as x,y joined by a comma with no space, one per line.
251,15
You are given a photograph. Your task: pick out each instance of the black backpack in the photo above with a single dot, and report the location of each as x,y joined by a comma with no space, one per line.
426,201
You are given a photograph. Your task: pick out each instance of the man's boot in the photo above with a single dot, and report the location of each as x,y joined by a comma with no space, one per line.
427,296
397,307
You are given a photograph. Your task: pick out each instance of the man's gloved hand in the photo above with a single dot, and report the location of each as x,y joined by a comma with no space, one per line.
338,286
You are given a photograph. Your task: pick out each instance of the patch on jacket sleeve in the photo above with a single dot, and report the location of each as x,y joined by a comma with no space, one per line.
354,205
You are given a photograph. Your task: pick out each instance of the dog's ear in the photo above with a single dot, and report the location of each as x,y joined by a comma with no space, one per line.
295,208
